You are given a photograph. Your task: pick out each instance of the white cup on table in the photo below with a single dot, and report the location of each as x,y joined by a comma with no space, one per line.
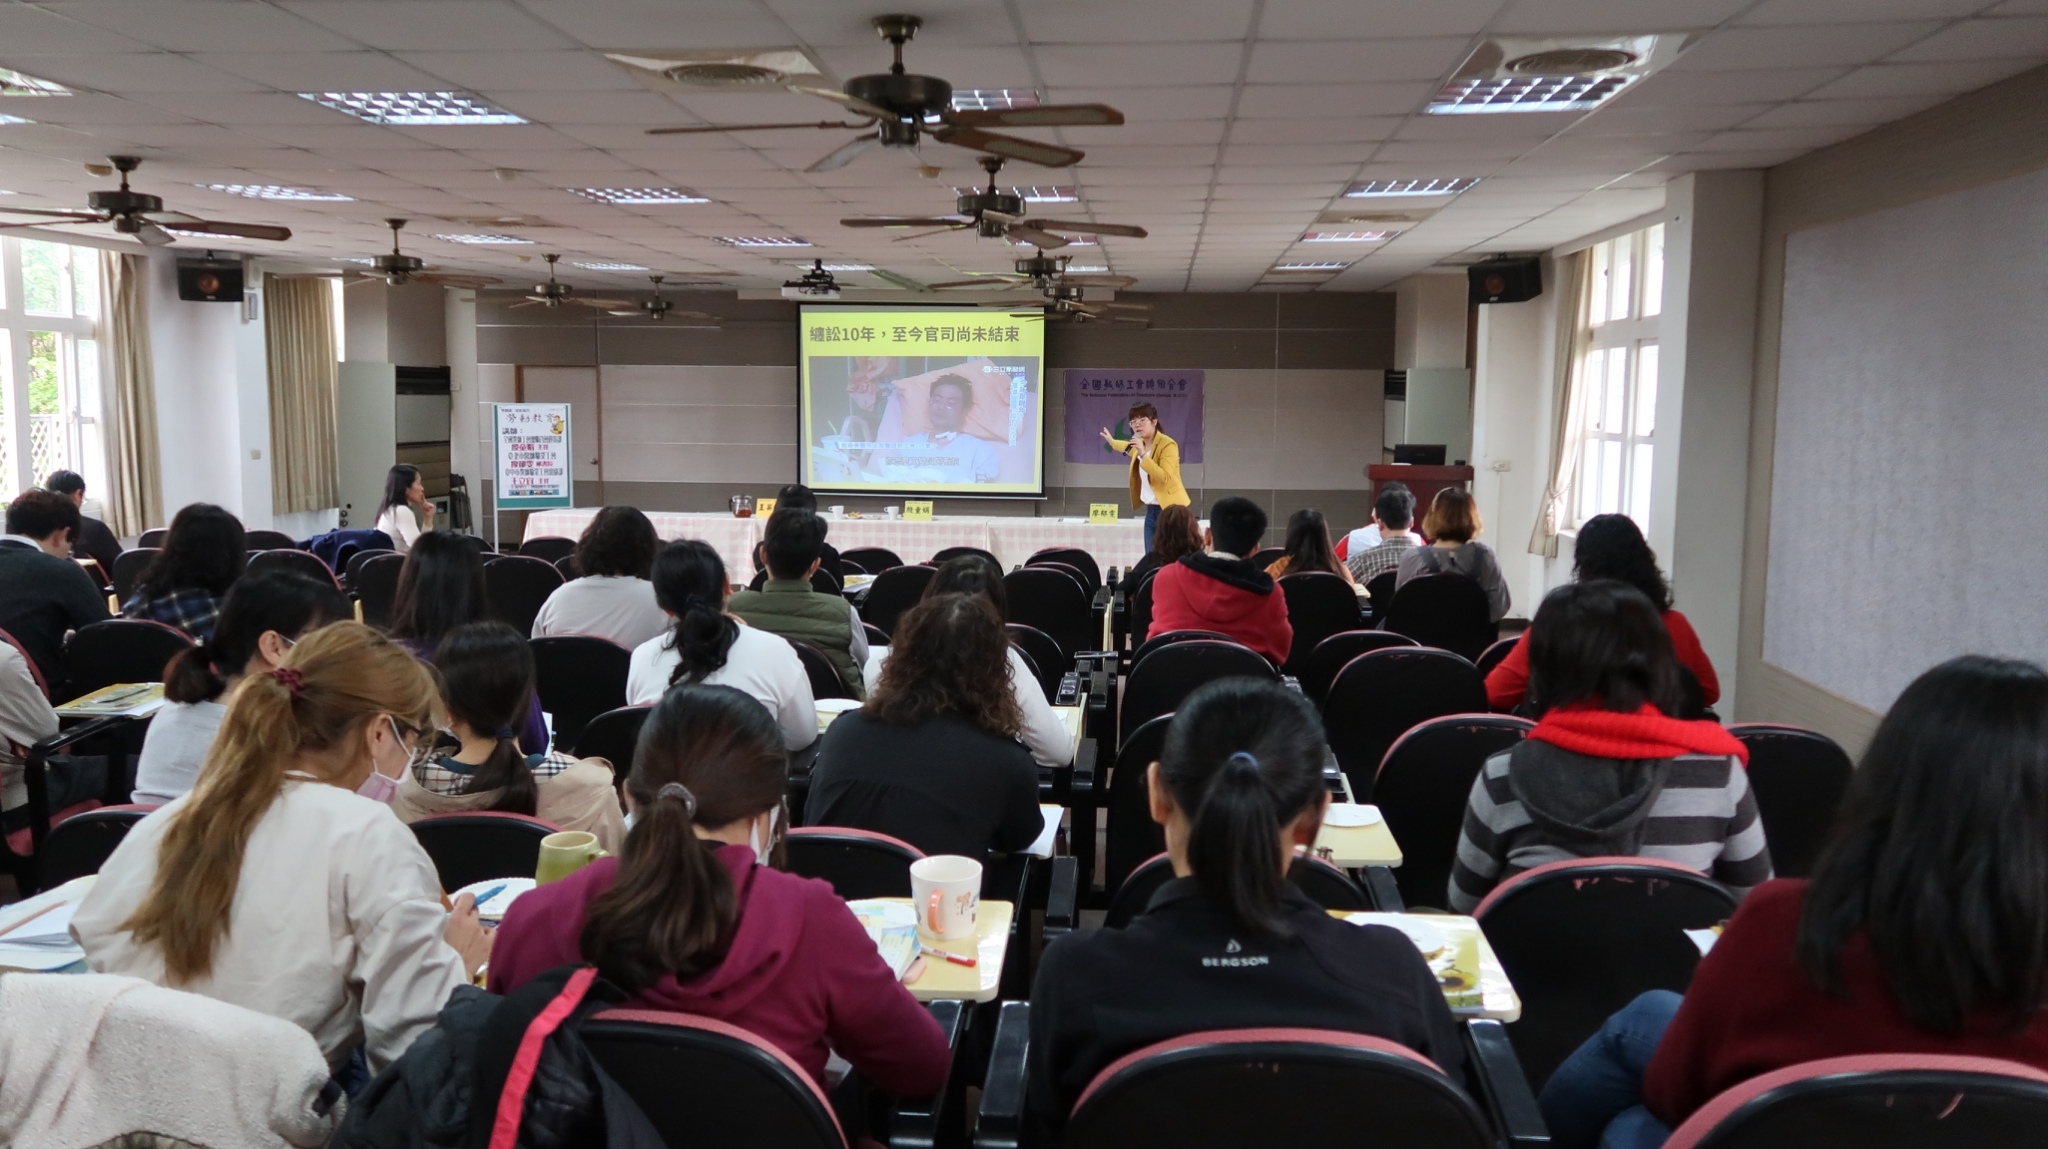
893,512
836,512
945,890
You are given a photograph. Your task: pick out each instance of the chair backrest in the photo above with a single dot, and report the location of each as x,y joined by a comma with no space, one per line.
1494,655
81,844
295,562
613,736
822,581
1267,556
1055,602
858,863
355,562
262,540
1325,884
1580,939
1132,835
1319,604
873,560
548,548
1379,594
707,1082
1045,656
1074,557
894,591
1380,694
516,586
951,553
1138,609
1799,777
1422,788
1275,1086
569,567
578,677
119,650
478,845
1320,668
1446,610
374,579
1163,678
153,538
1877,1101
1167,638
876,635
128,568
825,678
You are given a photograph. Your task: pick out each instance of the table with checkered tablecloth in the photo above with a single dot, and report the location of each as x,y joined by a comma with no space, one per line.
733,538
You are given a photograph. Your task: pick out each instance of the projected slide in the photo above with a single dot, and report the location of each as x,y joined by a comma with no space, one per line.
923,401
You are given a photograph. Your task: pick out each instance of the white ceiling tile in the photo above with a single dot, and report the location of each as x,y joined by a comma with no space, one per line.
1332,131
1745,49
324,71
1810,113
2014,38
206,25
1670,89
1628,121
352,135
1762,140
122,73
1323,19
468,25
1346,61
1092,22
1879,81
1254,152
1133,155
1862,11
1532,127
1705,161
1116,66
624,24
1147,105
1557,17
1444,150
34,30
567,71
1286,101
964,66
86,108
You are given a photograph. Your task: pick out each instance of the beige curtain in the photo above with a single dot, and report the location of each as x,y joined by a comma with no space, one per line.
298,330
1568,410
135,498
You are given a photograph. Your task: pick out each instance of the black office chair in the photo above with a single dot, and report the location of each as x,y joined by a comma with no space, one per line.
1165,677
263,540
1138,609
1319,605
516,587
613,736
876,635
1379,595
1799,777
295,562
1267,557
82,843
872,560
1329,656
1045,656
153,538
858,863
1075,557
1325,884
822,581
1447,611
940,559
128,568
478,845
826,681
1422,787
894,591
355,563
548,548
570,568
1381,694
1494,655
119,650
1132,836
1167,638
1877,1101
1055,602
578,677
374,579
706,1082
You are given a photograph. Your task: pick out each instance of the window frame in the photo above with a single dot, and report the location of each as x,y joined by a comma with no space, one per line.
80,401
1617,448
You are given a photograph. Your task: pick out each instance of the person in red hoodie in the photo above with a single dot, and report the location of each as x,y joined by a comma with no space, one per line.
688,918
1924,928
1221,590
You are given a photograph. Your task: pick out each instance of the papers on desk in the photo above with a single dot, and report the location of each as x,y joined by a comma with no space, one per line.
892,926
35,935
1042,847
1448,942
131,699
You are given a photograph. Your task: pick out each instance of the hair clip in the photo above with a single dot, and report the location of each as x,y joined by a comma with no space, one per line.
1243,759
680,793
505,734
291,678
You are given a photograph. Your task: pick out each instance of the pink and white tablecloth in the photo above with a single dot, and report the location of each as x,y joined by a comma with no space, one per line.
1011,538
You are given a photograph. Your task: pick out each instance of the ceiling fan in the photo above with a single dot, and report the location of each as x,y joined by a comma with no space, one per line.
656,308
554,293
143,216
995,215
1064,293
897,108
398,269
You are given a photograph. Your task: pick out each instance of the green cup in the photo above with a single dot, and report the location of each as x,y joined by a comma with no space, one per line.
565,853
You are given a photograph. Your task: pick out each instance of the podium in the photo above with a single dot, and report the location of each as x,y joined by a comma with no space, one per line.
1425,481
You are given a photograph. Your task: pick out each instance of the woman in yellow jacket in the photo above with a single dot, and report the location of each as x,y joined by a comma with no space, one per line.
1155,466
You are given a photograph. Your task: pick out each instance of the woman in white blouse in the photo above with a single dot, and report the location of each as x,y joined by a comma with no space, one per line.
282,883
705,644
612,598
404,514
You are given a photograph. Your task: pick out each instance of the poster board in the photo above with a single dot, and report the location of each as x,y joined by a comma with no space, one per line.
531,465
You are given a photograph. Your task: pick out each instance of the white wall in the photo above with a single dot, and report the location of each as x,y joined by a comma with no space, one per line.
1429,320
201,352
1511,439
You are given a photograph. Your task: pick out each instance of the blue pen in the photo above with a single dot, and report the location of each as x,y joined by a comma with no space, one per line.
487,895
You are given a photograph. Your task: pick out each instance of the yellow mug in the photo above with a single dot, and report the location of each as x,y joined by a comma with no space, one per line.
565,853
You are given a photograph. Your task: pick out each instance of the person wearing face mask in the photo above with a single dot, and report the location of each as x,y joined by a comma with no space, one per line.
691,919
282,883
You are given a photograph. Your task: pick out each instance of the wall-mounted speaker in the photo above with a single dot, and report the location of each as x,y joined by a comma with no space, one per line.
210,280
1508,280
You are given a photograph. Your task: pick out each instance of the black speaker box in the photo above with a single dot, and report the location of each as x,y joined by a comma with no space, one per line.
210,280
1510,280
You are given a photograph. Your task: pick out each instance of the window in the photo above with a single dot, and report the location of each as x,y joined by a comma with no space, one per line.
1619,440
49,363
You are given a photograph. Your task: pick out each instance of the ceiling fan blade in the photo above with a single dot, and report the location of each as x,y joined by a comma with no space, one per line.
902,281
936,231
1129,229
1042,116
989,281
240,230
694,315
1035,237
748,128
606,304
458,280
1011,147
1110,281
1126,306
153,236
905,221
59,216
171,218
844,154
872,111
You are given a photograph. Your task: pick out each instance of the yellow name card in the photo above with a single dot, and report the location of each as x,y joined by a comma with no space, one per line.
1102,512
764,507
917,510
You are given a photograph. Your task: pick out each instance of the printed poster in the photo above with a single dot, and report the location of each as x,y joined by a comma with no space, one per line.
532,469
1098,398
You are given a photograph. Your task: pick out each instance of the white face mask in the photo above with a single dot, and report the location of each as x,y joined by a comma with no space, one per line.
379,786
762,847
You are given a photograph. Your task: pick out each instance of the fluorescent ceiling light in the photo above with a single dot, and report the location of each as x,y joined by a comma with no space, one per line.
1072,241
13,83
1037,194
1479,96
1348,236
612,266
7,119
1085,269
364,260
1374,189
639,195
483,238
1312,265
993,99
277,191
415,108
830,266
763,241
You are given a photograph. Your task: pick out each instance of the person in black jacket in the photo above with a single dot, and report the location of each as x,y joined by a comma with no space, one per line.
94,540
43,594
1229,943
933,758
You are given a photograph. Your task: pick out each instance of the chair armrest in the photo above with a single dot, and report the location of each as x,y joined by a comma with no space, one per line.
1063,897
925,1123
1503,1087
1380,886
34,773
1000,1123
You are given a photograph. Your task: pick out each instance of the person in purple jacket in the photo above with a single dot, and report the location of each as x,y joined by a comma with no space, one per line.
690,918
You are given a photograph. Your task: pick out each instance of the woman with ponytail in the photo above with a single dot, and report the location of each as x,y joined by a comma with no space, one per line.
441,587
282,883
487,685
705,645
262,616
1229,943
690,918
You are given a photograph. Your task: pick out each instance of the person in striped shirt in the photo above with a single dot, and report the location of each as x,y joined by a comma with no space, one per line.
1607,772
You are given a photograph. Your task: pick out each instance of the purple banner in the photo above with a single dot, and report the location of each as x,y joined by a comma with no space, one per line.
1102,398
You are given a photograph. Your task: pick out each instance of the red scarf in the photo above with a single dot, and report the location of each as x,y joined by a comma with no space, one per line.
1645,734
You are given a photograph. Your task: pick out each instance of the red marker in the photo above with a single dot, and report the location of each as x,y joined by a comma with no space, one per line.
956,959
